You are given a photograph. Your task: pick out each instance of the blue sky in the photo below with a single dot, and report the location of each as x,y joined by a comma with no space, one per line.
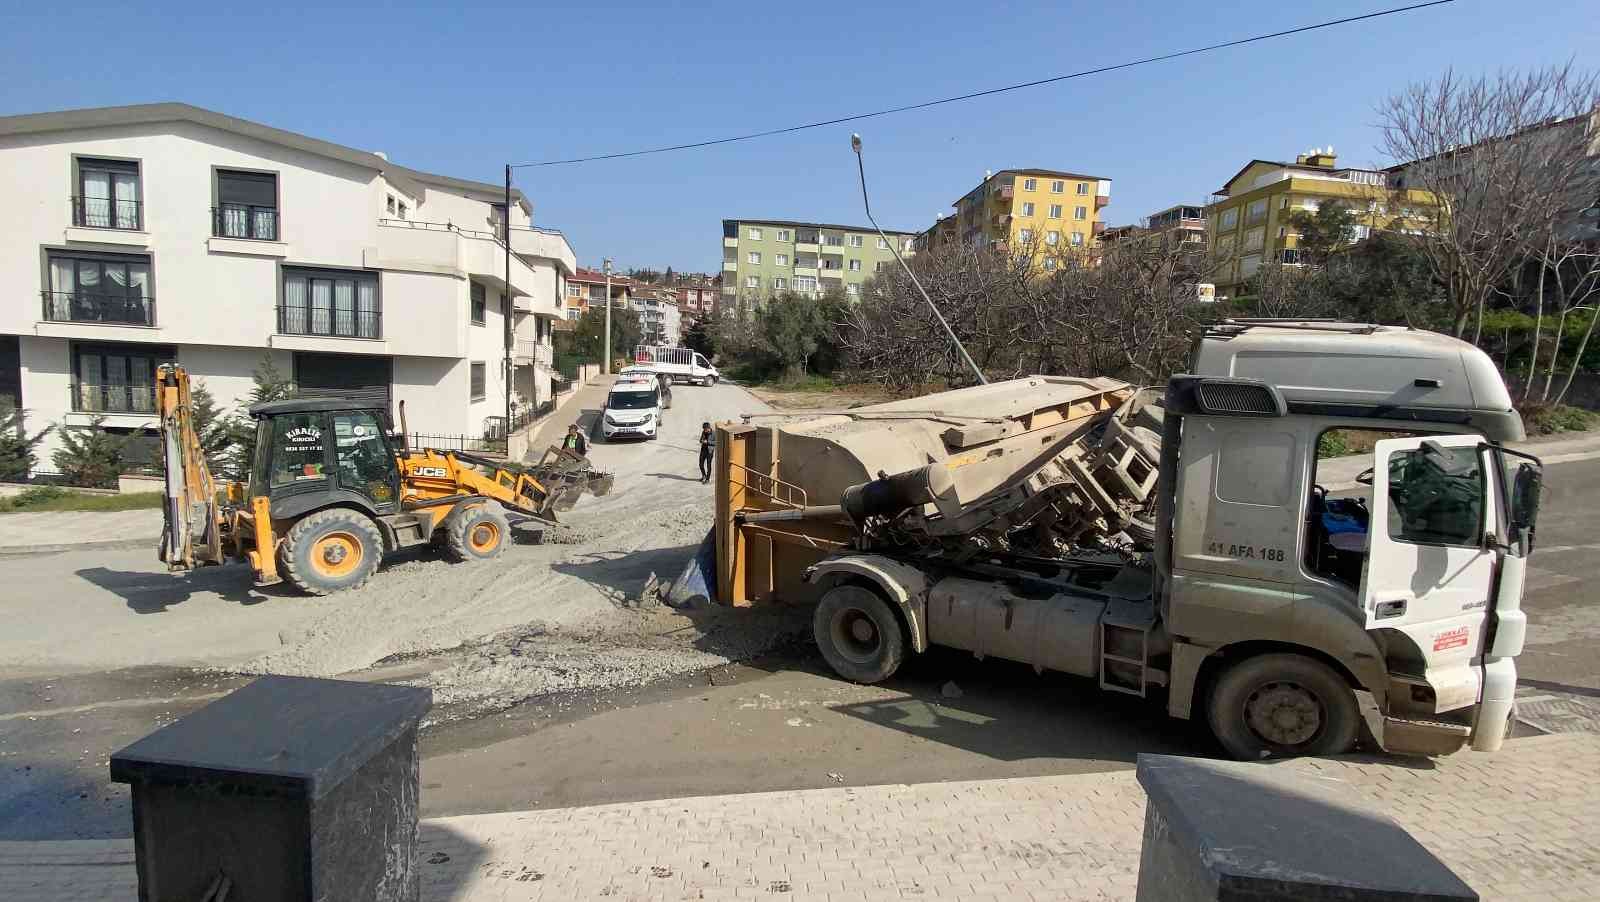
461,89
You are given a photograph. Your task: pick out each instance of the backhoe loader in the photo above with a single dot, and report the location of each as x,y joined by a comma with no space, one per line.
329,493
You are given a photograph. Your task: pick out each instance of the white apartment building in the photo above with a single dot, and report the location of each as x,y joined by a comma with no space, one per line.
166,232
659,318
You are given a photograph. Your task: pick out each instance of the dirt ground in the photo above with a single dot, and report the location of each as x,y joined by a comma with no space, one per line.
807,399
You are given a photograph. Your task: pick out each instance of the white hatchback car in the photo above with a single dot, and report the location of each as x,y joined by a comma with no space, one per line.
633,408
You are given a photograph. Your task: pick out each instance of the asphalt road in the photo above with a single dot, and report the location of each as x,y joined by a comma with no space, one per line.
779,723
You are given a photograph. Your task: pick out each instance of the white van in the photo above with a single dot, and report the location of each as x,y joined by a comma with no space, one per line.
633,408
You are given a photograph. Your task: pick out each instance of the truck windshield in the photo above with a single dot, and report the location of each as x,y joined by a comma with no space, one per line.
631,400
1436,496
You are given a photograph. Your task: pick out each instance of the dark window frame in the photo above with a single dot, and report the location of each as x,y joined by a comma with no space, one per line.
255,228
135,399
110,165
302,319
478,380
478,304
72,300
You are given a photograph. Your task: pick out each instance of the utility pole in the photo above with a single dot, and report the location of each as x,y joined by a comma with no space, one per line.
605,364
505,304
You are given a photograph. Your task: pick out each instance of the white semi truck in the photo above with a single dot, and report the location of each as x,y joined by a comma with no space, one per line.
1179,547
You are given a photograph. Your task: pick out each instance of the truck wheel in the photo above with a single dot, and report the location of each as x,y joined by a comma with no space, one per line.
707,382
1283,705
478,533
331,551
859,634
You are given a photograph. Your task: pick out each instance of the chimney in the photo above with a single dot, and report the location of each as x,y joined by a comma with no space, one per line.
380,155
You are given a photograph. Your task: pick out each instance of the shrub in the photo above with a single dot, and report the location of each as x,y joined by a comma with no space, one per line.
1549,419
92,456
35,495
17,457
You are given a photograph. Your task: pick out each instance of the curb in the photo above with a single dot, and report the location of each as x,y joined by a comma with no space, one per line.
105,545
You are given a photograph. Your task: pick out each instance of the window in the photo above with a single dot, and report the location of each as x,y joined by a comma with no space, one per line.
833,241
1256,210
1030,184
855,265
574,291
298,451
1290,256
330,302
1253,238
853,290
883,245
1025,235
878,267
597,294
1083,187
1058,187
754,281
1027,208
363,460
109,378
754,258
1248,265
1256,467
1080,213
247,205
754,234
99,288
480,379
1229,218
390,205
805,283
480,304
402,209
1283,204
1049,263
1436,498
779,283
1077,239
574,313
780,259
783,235
1052,238
908,246
1055,211
108,195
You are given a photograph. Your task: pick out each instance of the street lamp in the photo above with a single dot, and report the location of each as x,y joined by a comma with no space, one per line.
605,363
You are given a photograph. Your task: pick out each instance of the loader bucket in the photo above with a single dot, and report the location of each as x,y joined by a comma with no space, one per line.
696,586
600,486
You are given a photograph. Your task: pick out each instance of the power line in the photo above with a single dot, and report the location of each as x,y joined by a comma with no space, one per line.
976,94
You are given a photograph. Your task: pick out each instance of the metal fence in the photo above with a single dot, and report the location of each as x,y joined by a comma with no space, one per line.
474,444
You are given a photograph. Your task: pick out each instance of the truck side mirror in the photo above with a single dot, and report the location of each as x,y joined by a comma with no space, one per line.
1365,476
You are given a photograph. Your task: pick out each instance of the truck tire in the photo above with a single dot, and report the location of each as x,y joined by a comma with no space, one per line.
708,381
331,551
478,533
1282,706
859,634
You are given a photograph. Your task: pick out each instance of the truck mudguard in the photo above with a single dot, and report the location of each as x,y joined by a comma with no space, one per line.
904,585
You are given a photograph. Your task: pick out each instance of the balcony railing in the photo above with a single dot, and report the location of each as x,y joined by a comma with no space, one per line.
105,213
244,221
298,319
83,307
105,397
534,351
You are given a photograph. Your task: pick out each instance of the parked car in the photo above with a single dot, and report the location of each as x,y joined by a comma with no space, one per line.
633,409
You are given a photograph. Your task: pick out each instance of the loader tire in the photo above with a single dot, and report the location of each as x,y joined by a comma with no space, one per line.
478,533
859,634
331,551
1282,706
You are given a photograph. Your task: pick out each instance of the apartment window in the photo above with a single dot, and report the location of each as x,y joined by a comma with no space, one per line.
110,378
574,291
1289,256
805,283
574,313
1283,204
1049,263
780,259
247,205
754,234
753,281
108,195
1248,265
1052,238
855,265
1080,213
779,283
783,235
855,240
1256,210
1030,184
907,247
402,209
1025,236
1282,232
1077,239
1055,211
99,288
480,380
883,245
1058,187
833,241
480,304
330,302
754,258
1254,238
853,290
1027,208
878,267
1228,219
389,205
597,294
1083,187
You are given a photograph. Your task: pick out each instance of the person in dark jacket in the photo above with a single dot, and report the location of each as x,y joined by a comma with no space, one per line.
708,450
575,441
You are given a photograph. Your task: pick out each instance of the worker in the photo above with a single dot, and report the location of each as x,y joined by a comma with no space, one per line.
575,442
708,445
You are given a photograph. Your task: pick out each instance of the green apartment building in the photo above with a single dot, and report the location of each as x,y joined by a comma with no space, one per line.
765,257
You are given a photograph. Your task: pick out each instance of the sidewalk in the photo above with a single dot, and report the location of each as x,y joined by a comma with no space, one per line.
1516,825
37,533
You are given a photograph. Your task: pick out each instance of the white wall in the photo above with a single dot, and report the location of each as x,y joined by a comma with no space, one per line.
435,392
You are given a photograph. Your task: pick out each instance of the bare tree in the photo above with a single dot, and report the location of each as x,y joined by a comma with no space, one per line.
1485,166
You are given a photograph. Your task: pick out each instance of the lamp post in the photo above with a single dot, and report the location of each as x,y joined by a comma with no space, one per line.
605,363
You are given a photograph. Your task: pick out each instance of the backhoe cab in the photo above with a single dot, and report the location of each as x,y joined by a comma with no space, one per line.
331,491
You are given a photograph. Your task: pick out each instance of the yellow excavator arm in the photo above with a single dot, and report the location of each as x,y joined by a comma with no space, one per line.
192,532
